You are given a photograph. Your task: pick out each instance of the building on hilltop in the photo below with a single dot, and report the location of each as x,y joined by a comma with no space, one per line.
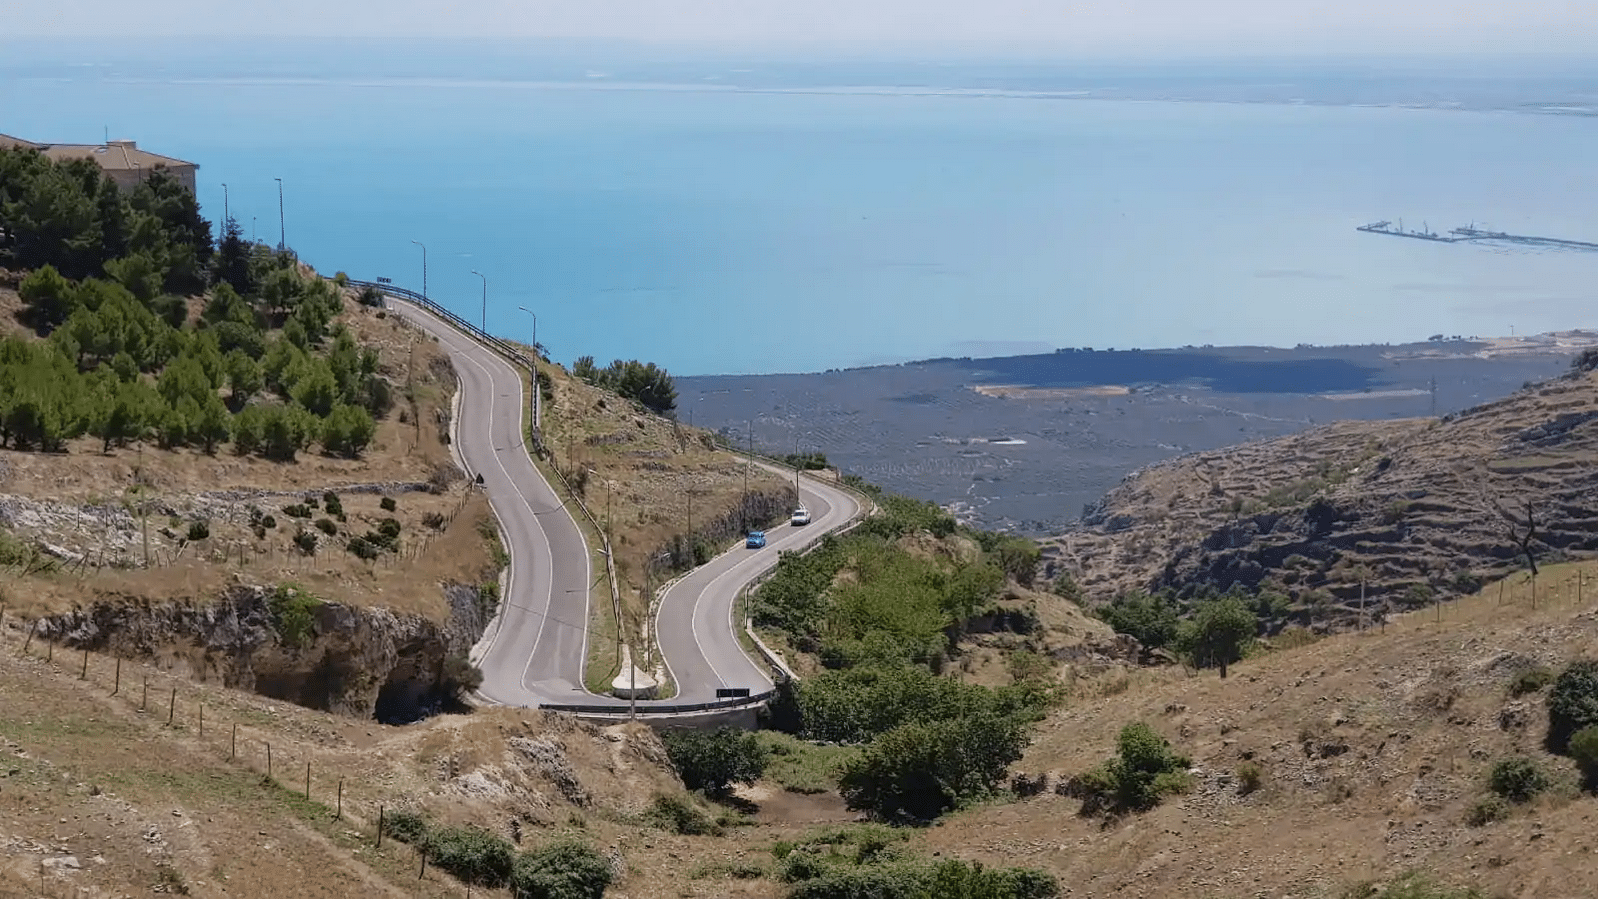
121,160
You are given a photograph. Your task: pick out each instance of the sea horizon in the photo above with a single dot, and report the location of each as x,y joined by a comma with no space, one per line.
802,217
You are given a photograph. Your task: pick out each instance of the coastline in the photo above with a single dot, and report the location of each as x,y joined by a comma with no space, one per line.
1073,424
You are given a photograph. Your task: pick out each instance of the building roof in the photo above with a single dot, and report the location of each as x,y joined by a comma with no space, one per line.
117,155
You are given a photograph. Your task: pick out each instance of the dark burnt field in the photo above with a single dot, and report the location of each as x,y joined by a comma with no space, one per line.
1024,442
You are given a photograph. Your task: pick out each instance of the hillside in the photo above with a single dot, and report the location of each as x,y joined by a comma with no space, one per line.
1373,748
1401,513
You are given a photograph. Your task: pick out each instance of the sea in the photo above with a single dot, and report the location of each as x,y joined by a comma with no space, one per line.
723,212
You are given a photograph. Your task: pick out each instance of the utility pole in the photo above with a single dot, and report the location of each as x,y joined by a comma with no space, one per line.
225,215
743,507
424,269
485,306
282,230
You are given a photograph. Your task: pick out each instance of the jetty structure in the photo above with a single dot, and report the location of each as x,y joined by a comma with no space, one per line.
1472,233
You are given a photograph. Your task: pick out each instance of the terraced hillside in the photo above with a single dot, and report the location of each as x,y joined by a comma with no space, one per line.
1388,515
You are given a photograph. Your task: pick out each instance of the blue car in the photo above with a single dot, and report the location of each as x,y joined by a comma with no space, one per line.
756,540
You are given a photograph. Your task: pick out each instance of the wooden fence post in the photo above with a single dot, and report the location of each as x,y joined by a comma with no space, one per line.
380,827
31,630
172,708
307,781
84,672
116,683
340,812
49,651
233,746
202,718
423,873
268,761
145,699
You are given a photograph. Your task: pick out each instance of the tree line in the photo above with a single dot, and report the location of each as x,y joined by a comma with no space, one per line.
263,364
645,383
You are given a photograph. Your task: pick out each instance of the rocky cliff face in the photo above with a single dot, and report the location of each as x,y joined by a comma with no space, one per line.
1390,514
324,655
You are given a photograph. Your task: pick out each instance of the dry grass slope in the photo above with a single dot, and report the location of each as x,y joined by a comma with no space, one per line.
1373,747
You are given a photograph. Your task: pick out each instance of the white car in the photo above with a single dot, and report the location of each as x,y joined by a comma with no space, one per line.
801,517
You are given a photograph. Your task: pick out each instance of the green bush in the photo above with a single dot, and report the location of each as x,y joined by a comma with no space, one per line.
1517,779
198,530
362,549
1250,777
1151,619
326,526
564,869
297,510
405,826
305,542
678,814
1144,771
715,760
918,771
471,854
293,611
1413,886
1530,681
1572,704
332,504
388,504
1583,747
1487,810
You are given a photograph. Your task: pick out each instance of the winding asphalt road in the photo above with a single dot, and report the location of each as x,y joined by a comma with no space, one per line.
700,616
533,653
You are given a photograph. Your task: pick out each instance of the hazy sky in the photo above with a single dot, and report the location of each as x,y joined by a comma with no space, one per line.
1158,26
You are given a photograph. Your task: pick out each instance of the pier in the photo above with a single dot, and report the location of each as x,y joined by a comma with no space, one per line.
1470,233
1425,233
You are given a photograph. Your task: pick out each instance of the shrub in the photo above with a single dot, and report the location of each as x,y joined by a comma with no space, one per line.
293,611
678,814
1413,886
326,526
361,549
199,530
1151,619
331,503
434,520
1250,776
460,676
1144,771
1517,779
1572,704
918,771
388,504
471,854
305,541
564,869
1487,810
715,760
298,510
268,522
1583,747
1530,681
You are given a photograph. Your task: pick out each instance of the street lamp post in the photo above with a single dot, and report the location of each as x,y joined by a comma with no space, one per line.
743,507
535,329
224,205
538,418
424,268
282,230
485,298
